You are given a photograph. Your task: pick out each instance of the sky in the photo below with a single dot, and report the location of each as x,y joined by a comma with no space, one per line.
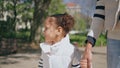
87,6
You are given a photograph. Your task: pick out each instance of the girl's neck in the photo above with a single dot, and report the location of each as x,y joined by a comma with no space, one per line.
58,39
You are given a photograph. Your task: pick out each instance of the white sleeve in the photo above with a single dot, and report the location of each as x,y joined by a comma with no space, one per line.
40,65
76,58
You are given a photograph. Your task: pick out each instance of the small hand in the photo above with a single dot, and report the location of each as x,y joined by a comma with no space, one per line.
87,55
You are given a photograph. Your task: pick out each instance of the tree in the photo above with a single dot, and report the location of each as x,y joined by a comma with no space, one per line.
40,7
80,23
56,6
17,11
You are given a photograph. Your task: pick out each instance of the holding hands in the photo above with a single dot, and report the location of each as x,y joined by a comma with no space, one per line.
86,61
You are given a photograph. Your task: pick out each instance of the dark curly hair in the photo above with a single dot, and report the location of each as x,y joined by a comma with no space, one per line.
65,20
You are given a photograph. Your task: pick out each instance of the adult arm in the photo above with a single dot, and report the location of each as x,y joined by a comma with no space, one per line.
96,28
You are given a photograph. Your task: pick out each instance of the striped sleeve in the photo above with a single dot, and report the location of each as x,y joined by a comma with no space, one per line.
100,10
76,66
97,24
76,58
40,65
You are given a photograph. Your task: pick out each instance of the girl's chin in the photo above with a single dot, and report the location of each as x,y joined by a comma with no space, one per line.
49,42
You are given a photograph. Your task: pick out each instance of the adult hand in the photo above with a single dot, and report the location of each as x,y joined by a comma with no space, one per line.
83,63
88,55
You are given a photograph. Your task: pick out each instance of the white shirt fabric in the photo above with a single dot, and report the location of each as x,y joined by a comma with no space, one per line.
58,55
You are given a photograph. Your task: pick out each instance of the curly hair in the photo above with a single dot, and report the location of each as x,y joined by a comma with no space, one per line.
65,20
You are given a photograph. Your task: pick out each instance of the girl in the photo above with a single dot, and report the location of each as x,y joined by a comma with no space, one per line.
57,51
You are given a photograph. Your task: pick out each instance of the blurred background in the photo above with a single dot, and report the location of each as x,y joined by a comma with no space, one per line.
21,23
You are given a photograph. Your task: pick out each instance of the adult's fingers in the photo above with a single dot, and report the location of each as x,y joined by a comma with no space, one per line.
83,63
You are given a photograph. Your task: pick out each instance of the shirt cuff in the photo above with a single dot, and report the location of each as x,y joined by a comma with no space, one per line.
91,40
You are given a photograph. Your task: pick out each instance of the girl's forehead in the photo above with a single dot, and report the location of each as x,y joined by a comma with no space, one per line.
50,20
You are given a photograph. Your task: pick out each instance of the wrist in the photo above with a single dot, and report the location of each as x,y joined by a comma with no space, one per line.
88,47
90,40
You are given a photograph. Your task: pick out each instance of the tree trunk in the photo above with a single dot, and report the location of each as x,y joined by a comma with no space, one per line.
39,13
15,15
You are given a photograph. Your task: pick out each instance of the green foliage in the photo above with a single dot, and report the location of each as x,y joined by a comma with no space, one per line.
6,26
80,38
24,11
101,41
9,6
56,6
24,35
80,24
1,5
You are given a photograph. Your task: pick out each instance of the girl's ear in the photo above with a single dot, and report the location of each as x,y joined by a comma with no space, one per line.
59,30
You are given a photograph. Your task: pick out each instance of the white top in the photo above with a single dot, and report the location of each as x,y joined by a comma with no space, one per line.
58,55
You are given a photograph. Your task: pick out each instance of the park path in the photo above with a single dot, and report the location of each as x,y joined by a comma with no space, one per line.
99,57
30,60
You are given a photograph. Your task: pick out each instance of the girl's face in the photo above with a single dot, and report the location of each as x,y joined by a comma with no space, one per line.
50,32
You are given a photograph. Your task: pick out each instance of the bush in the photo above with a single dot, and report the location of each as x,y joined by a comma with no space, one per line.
101,41
80,38
17,35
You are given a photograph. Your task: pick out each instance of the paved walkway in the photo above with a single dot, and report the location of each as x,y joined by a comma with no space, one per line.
31,60
99,57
